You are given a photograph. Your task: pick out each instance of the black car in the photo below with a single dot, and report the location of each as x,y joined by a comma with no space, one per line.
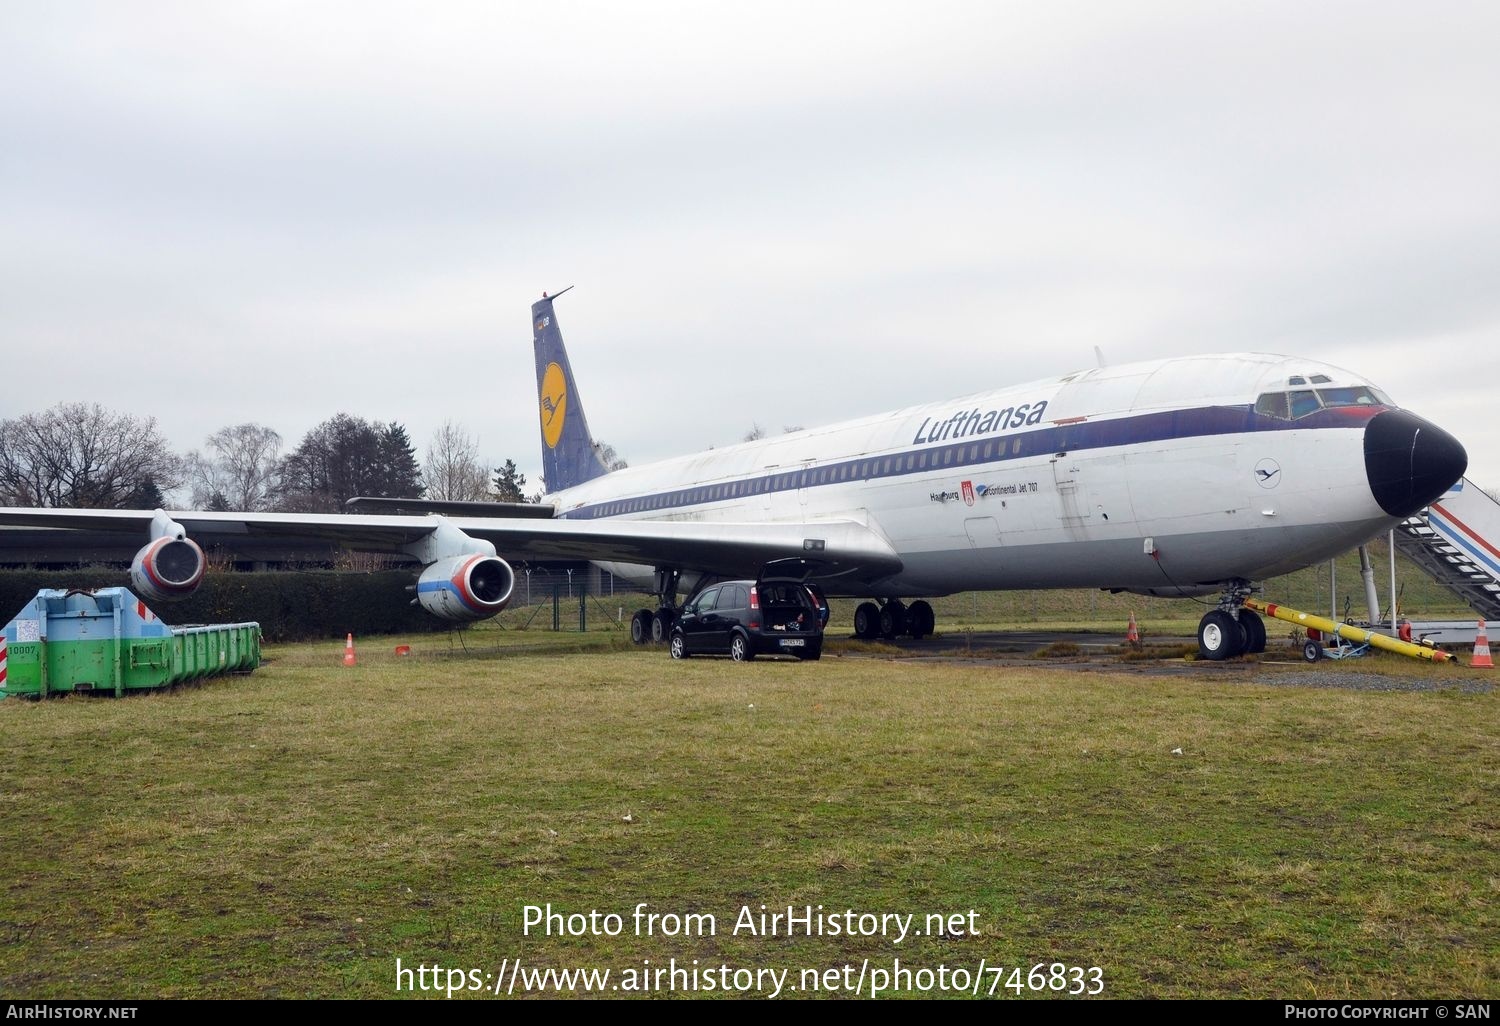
744,619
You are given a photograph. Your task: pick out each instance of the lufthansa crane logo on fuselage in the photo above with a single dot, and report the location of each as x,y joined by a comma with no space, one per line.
1268,473
554,404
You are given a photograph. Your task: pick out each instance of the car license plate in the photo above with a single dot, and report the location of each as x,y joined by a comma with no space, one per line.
792,642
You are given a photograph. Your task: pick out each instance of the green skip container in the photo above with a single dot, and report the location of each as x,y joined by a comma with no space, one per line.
108,640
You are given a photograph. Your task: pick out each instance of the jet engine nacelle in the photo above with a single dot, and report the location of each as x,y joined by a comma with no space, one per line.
472,587
168,568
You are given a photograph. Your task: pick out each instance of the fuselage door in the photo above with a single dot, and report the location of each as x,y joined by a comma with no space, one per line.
984,541
984,533
1074,507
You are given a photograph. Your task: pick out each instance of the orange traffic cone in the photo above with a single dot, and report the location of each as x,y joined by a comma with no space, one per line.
1482,651
1132,633
349,650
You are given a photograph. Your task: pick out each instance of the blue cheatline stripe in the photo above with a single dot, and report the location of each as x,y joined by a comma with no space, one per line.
431,586
1457,536
1170,425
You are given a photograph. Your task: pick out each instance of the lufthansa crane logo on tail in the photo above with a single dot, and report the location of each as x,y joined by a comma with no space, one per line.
554,404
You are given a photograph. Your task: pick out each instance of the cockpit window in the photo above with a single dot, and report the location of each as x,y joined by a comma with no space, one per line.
1272,404
1296,381
1304,403
1299,403
1356,396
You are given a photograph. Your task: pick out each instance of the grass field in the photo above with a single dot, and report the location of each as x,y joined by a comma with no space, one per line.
295,832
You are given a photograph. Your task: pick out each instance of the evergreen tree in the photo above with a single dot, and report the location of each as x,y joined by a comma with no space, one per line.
509,482
344,457
145,495
401,473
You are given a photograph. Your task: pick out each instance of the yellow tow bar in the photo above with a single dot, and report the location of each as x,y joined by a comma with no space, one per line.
1349,632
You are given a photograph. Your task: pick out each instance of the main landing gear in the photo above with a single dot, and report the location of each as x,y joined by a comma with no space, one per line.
892,619
655,626
1231,629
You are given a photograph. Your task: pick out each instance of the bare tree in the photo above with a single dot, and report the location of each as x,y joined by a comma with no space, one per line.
238,471
756,432
82,456
453,470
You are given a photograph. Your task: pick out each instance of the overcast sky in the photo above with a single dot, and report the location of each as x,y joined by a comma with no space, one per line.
774,213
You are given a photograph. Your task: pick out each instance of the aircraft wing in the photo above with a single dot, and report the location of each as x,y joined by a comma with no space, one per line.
451,508
842,548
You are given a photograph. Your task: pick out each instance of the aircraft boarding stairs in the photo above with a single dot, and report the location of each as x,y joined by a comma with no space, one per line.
1457,541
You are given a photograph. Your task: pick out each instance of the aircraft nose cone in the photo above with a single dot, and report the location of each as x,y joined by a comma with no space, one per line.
1410,461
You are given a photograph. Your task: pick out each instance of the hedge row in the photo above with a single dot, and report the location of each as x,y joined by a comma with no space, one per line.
290,606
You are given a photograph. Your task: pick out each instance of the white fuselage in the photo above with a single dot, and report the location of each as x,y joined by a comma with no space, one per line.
1154,477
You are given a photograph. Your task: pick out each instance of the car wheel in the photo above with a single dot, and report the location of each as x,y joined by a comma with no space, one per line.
1220,636
679,646
739,649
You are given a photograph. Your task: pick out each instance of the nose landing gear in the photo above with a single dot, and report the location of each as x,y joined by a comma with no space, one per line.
1231,630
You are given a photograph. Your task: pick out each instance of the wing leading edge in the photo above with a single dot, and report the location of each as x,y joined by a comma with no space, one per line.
841,549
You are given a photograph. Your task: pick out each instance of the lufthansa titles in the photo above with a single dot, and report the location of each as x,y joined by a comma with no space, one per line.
975,422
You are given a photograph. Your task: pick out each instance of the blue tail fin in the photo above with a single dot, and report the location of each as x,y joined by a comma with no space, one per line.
569,455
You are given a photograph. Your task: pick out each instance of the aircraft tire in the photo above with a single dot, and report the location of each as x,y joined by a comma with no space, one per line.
892,619
920,619
867,621
640,626
1219,636
1255,631
661,625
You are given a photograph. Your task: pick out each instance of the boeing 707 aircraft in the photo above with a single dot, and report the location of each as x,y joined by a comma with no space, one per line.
1191,476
